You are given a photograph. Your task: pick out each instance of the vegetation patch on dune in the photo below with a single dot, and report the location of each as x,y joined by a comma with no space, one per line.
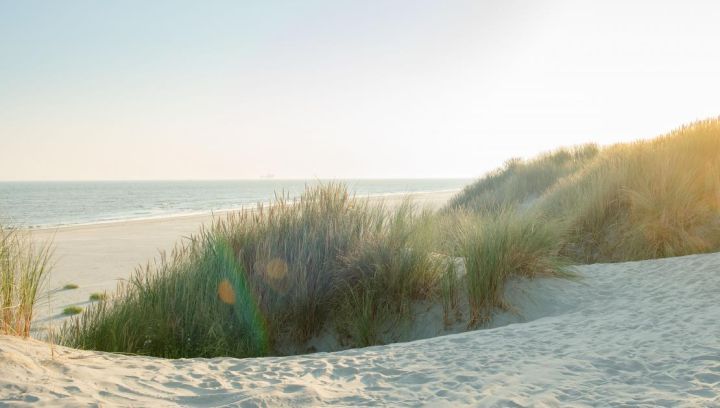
630,201
72,310
506,245
266,282
522,181
644,200
97,296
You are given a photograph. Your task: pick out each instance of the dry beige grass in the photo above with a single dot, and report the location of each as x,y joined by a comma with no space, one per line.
23,269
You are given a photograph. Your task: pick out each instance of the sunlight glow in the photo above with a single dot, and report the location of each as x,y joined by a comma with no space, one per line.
325,89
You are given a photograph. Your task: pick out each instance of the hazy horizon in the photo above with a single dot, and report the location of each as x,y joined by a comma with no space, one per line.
225,90
268,179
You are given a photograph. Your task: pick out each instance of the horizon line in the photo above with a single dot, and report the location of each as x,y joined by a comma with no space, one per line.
240,179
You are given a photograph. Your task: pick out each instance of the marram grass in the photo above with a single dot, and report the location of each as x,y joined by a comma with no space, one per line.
520,182
644,200
268,281
194,304
23,270
506,245
264,282
629,201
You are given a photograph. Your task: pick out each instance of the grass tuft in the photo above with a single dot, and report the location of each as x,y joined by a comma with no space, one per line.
98,296
23,270
508,245
70,286
72,310
386,274
197,303
450,294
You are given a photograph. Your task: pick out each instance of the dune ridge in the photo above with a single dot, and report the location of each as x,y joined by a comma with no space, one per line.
639,333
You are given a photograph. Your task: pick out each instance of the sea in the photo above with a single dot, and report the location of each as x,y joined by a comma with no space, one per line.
64,203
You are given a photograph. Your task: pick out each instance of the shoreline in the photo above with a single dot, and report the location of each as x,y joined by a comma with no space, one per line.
220,212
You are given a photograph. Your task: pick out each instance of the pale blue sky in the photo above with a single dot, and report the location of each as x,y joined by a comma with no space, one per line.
339,89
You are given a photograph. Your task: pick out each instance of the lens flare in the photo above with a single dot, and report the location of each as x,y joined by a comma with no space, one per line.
226,293
235,290
276,275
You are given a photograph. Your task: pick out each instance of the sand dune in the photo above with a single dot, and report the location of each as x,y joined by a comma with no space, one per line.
640,333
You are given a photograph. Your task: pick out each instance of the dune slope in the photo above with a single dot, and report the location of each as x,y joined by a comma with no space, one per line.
634,333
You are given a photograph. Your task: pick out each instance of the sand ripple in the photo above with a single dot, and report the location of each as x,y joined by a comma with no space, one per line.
641,333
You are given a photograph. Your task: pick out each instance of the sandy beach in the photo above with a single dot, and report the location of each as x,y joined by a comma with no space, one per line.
636,334
95,257
349,204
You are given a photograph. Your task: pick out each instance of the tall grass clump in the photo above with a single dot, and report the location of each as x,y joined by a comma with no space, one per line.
293,252
266,281
520,182
507,245
386,275
197,303
644,200
630,201
450,285
24,267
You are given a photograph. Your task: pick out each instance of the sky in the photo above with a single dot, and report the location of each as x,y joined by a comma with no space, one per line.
158,90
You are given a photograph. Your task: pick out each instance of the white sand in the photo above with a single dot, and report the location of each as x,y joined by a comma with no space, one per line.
96,257
642,333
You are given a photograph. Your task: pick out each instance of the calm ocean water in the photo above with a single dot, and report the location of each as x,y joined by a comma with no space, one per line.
45,204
